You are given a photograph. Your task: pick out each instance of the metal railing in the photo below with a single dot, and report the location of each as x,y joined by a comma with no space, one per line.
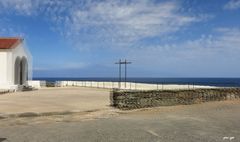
138,86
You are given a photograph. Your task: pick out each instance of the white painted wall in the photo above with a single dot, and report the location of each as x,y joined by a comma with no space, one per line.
37,83
3,66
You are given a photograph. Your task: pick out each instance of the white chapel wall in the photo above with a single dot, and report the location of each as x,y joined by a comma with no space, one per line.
3,67
20,51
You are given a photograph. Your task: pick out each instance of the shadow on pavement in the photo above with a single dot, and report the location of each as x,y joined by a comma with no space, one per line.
2,139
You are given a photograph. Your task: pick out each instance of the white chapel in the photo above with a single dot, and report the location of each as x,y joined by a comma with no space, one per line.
15,63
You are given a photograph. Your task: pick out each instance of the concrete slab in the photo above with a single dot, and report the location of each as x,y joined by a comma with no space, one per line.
208,122
74,99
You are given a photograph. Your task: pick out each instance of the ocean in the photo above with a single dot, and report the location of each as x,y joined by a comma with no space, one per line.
223,82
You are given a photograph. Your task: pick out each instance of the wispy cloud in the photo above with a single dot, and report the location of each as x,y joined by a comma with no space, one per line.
123,23
21,6
107,23
35,7
62,66
8,29
211,51
232,5
148,31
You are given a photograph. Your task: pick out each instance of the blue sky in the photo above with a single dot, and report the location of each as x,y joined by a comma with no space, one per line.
180,38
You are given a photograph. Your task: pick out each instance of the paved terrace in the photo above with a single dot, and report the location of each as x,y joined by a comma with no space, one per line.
208,122
74,99
213,121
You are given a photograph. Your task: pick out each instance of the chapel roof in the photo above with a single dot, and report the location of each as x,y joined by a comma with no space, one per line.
9,42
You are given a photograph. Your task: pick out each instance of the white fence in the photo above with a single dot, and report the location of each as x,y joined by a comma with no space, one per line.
128,85
37,83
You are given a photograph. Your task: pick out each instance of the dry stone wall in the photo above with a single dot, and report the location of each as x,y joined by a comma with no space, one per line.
143,99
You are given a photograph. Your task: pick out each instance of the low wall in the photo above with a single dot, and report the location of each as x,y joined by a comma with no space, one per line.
37,83
129,85
143,99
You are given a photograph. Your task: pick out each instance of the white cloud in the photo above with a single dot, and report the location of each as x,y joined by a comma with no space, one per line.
229,37
123,23
34,7
208,56
113,23
8,29
222,46
62,66
232,5
21,6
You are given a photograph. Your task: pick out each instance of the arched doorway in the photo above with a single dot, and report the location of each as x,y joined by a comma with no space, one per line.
17,71
21,71
24,71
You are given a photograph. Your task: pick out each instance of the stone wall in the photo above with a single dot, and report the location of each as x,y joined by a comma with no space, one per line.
143,99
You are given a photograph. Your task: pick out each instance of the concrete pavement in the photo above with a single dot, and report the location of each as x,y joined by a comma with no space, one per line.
208,122
94,121
48,100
